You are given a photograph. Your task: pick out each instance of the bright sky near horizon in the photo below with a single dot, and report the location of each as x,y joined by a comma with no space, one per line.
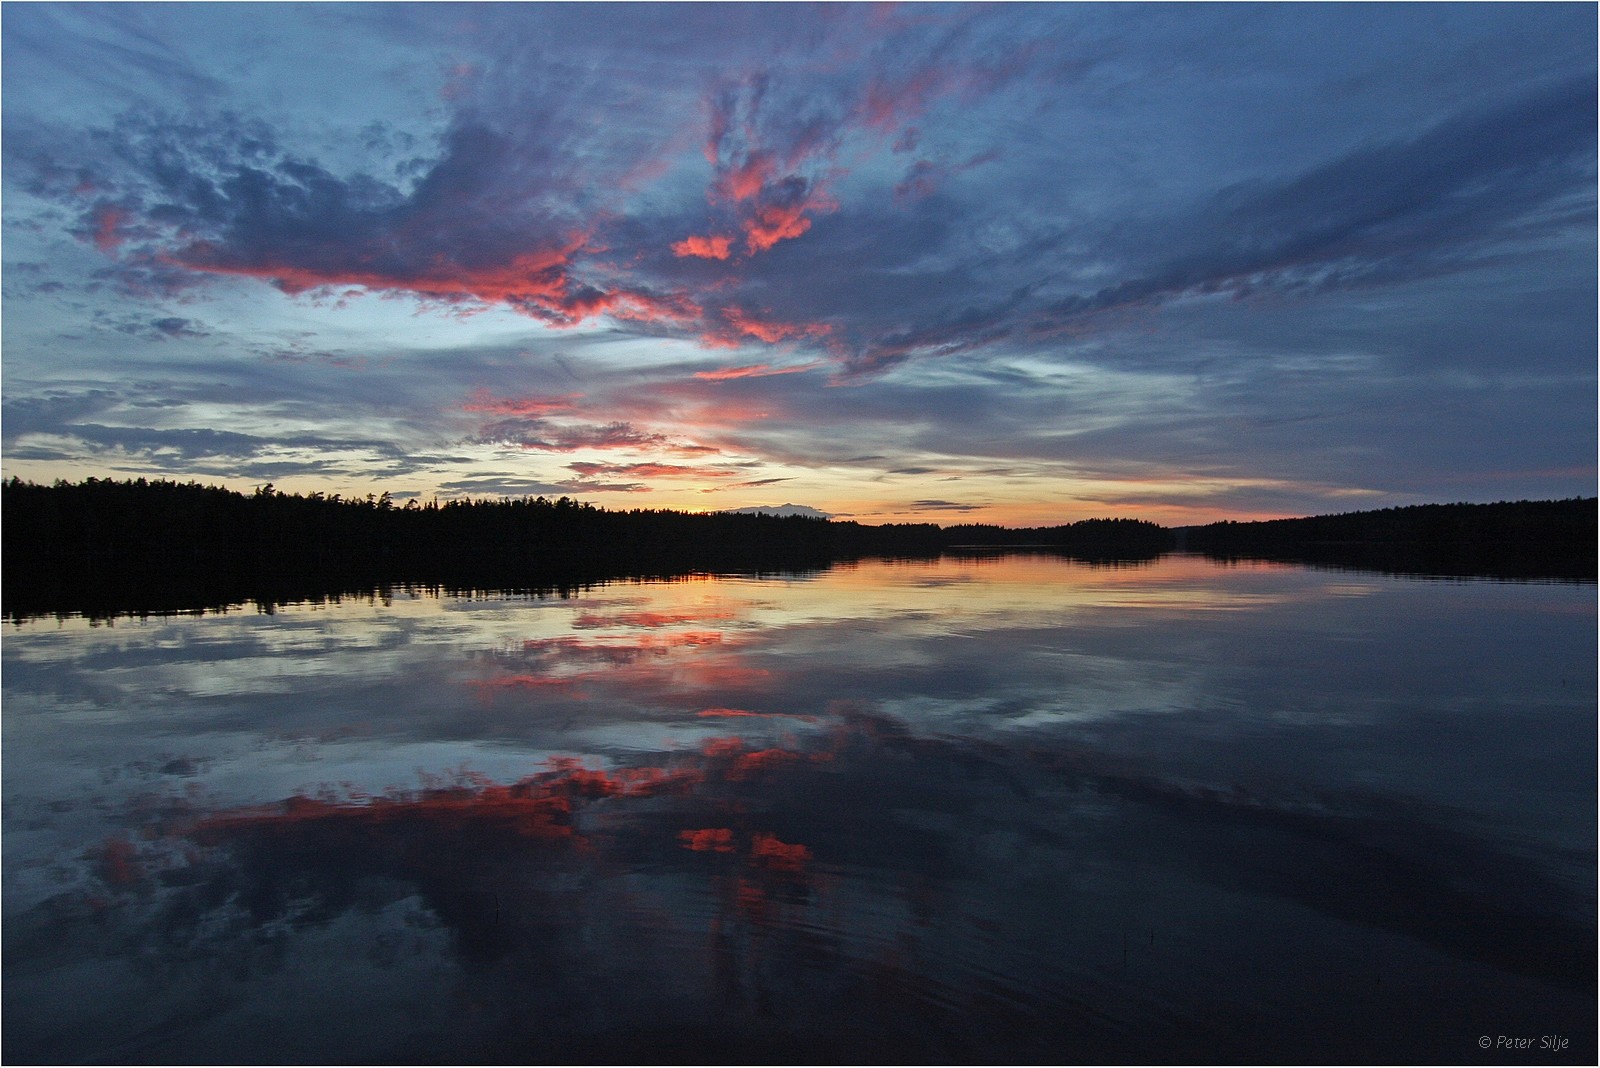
1022,264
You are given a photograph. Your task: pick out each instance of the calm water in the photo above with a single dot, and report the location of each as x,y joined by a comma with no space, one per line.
1002,809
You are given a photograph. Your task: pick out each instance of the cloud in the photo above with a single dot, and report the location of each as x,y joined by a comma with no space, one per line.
541,435
480,226
766,180
1433,203
756,370
781,213
924,177
503,216
711,247
744,181
532,407
126,61
165,328
588,486
186,443
1448,198
650,470
54,411
108,220
777,153
740,325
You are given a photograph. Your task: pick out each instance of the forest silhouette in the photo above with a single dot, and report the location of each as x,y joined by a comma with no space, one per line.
1509,539
103,548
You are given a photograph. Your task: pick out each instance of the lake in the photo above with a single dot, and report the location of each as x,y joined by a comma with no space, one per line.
992,808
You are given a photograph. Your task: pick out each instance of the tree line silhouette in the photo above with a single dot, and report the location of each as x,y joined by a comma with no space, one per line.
1508,539
102,547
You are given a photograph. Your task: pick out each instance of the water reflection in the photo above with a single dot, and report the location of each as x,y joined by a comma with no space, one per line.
1005,809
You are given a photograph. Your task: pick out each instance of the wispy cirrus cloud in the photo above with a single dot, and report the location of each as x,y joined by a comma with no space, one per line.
755,370
543,436
650,470
535,407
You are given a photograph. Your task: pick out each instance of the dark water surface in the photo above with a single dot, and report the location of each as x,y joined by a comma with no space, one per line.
1012,809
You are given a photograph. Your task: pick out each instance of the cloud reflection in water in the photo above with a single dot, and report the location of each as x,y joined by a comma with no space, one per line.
911,897
1043,814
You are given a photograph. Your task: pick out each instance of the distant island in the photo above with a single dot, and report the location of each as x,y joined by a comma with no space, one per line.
102,547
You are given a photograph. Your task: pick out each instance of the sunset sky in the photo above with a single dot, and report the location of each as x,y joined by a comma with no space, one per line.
1022,264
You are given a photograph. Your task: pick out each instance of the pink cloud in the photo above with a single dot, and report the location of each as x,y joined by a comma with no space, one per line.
755,370
746,180
107,223
886,104
770,330
711,247
538,283
723,374
695,402
774,223
769,182
741,324
740,713
484,401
